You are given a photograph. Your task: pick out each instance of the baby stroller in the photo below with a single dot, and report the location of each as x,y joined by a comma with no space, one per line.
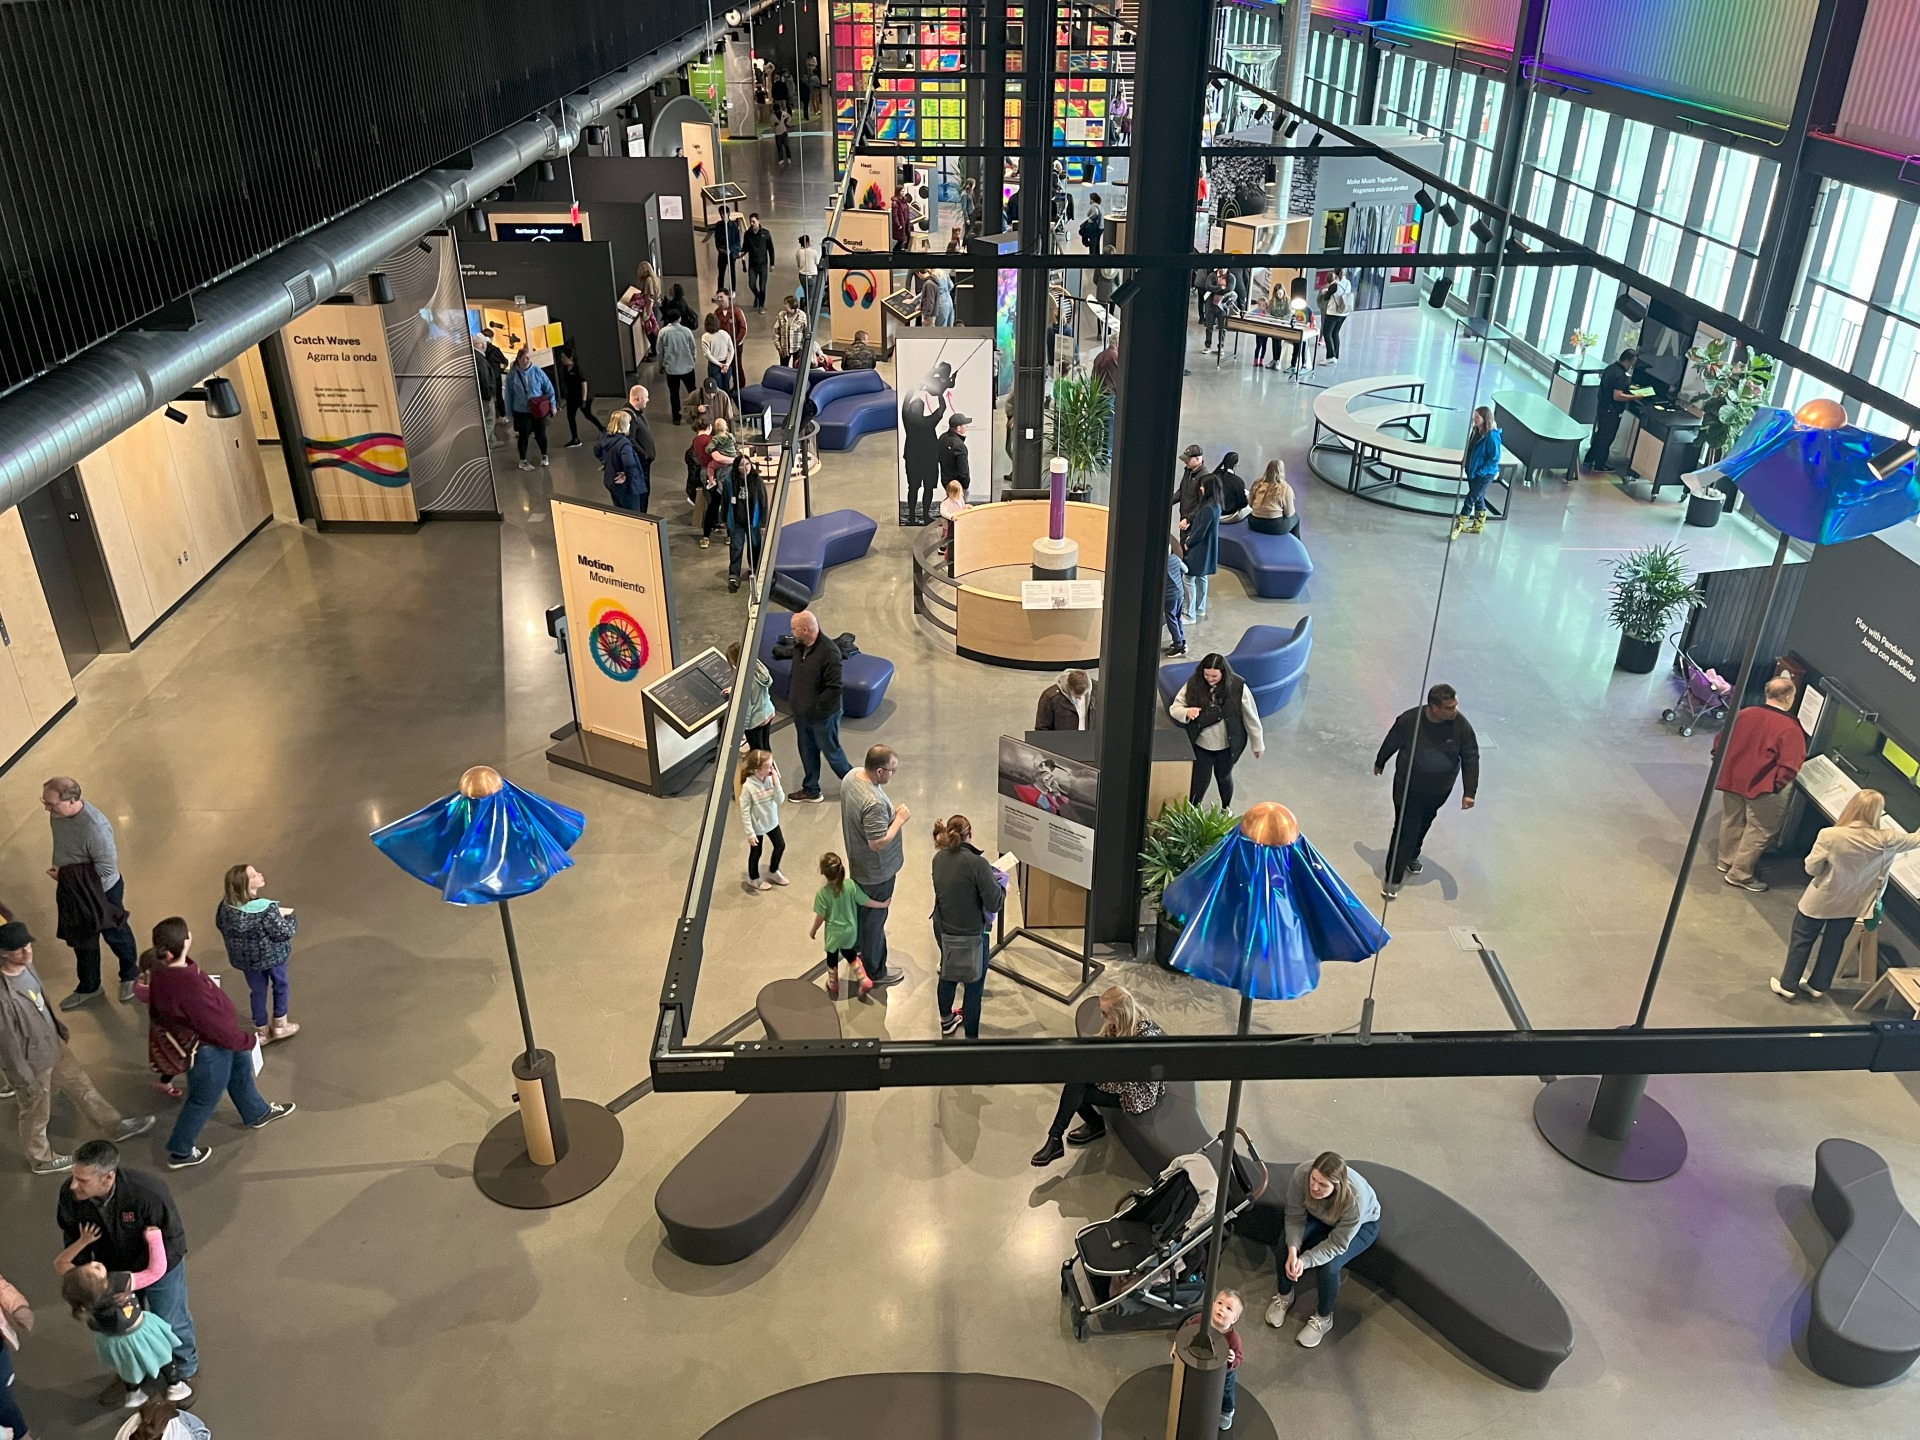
1150,1255
1703,695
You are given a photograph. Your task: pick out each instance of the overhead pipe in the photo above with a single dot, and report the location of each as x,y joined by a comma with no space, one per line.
54,421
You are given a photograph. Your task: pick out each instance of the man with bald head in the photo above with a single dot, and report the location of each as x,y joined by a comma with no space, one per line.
814,694
1765,749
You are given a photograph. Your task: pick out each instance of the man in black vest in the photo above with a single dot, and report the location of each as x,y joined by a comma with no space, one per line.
1435,746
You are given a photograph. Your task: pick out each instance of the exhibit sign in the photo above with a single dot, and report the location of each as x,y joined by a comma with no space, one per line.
696,144
343,392
1857,624
1060,595
613,581
636,142
944,378
855,301
1047,810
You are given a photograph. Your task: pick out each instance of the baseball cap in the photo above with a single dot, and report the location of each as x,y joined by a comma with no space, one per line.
959,420
1192,452
14,936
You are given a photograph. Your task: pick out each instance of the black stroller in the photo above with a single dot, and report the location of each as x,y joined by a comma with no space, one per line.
1150,1256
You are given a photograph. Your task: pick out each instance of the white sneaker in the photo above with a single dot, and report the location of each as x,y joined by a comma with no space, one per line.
135,1399
758,885
1315,1330
1277,1310
777,878
1773,984
544,462
179,1391
526,465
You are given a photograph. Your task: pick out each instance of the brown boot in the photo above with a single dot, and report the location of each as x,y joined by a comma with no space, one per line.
283,1028
264,1033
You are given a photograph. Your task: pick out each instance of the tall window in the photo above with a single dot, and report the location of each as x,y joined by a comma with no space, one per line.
1334,63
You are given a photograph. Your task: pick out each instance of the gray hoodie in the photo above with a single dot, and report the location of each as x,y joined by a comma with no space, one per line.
1362,1205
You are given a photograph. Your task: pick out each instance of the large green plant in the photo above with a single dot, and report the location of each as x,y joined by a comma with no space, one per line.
1082,410
1737,382
1178,837
1650,589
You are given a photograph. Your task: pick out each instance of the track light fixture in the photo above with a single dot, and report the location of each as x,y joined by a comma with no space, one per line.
1291,128
1260,112
546,172
789,594
1319,139
1219,82
477,220
1630,307
216,393
179,417
1514,247
1437,296
1125,291
1481,231
380,287
423,247
1895,457
1423,200
594,135
1447,213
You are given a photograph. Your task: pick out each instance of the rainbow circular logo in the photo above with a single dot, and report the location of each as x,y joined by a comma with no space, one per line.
616,642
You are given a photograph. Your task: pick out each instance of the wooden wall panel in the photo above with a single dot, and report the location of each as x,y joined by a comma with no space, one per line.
156,512
34,683
100,482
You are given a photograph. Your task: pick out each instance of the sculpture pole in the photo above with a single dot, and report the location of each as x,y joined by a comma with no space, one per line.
1056,557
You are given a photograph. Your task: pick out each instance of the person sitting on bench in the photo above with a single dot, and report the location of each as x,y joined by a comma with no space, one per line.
1332,1215
1120,1017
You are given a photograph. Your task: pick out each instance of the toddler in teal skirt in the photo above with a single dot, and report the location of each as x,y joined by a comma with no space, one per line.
132,1341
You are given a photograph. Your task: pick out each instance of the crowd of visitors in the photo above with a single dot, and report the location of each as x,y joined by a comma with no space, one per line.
122,1265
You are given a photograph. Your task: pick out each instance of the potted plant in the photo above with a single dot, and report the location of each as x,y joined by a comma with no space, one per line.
1737,381
1650,589
1082,427
1176,839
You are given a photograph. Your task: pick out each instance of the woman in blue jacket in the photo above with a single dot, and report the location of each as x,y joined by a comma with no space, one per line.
622,470
1483,468
530,397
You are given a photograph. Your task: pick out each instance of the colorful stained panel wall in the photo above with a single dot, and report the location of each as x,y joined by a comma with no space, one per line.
904,109
1739,56
1882,108
1341,9
1479,22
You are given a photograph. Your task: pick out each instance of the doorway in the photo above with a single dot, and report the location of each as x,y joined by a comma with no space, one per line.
73,574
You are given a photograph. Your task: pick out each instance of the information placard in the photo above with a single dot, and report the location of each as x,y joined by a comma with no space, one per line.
694,694
613,580
349,412
1059,594
1047,809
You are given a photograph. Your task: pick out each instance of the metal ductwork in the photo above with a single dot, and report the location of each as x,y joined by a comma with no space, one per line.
49,424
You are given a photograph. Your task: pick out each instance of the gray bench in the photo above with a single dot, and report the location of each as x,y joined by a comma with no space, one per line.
1864,1325
1450,1268
933,1404
734,1190
1172,1127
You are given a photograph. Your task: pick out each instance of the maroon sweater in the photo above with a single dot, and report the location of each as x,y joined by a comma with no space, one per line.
191,1007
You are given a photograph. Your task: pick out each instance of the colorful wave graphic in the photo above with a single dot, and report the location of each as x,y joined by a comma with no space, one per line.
379,458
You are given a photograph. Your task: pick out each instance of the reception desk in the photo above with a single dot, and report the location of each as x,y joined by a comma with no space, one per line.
977,600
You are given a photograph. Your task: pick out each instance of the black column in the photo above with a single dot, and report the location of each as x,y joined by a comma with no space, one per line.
1370,67
1174,38
993,220
1796,192
1510,141
1032,342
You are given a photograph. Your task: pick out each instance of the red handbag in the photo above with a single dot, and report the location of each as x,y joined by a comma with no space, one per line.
539,406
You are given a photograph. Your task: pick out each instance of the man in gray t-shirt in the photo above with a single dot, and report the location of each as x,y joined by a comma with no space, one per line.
870,825
83,836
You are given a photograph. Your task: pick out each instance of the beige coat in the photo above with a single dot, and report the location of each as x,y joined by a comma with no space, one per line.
1849,865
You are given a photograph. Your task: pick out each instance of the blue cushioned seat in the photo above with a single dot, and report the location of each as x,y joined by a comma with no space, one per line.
1270,658
864,678
1277,566
809,547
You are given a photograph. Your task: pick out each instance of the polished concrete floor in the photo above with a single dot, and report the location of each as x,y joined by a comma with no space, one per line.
346,1272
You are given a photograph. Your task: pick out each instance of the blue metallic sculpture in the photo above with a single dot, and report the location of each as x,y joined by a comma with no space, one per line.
1806,474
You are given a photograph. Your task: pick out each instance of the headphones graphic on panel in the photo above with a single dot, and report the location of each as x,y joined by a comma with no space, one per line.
858,289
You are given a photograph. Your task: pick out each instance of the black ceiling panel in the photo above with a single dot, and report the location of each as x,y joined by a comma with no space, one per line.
148,147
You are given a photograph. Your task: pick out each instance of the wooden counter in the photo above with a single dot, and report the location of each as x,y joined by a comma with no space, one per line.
992,626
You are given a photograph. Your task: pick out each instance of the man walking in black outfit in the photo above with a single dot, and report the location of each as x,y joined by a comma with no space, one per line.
1435,746
1616,384
757,245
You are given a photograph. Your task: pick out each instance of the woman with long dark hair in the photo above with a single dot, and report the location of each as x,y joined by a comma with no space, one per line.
1216,709
1200,544
966,897
579,401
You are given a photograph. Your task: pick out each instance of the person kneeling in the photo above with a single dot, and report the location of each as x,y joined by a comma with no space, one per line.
1332,1215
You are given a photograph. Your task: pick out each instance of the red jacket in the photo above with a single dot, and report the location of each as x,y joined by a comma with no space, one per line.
186,1003
1766,750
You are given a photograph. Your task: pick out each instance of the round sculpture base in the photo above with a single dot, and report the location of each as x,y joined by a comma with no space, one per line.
1056,559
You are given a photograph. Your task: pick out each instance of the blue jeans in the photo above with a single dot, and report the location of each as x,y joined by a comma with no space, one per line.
167,1298
816,738
119,938
1174,627
873,928
1327,1275
1476,501
1227,1389
215,1072
10,1415
259,983
721,375
1197,595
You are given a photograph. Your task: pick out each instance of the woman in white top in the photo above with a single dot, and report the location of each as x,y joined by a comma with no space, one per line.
717,346
1849,862
1335,301
1216,709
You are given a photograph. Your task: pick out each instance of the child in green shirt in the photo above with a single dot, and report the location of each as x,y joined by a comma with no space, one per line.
836,905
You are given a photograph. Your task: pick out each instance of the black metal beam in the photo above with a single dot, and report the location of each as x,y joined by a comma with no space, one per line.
818,1065
1169,97
1796,191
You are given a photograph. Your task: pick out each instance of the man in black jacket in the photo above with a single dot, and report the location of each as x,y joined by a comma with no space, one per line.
953,460
757,246
813,692
1435,746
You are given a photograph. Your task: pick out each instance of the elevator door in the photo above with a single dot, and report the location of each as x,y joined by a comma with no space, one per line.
73,575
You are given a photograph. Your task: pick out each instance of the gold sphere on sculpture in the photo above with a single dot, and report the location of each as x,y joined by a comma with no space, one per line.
1270,823
480,782
1822,414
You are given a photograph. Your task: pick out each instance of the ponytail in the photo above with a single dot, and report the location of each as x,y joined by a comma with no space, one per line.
834,869
170,939
952,833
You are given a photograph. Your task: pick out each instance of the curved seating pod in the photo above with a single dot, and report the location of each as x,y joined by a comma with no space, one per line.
864,678
733,1191
1864,1325
775,390
1450,1268
809,547
932,1404
1270,658
1277,566
853,403
1172,1127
